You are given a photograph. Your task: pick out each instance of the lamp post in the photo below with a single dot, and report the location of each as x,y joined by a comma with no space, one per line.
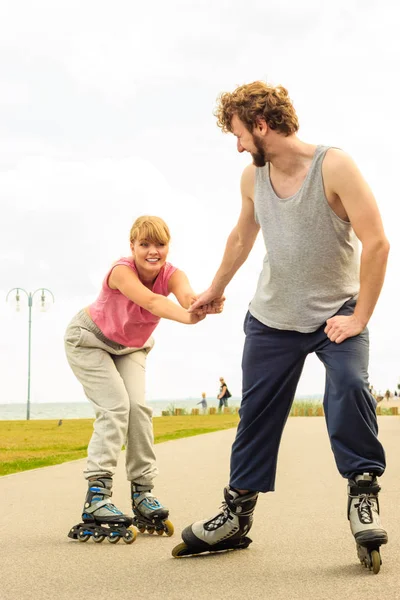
30,296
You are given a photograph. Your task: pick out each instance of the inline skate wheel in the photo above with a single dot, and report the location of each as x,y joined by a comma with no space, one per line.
375,561
130,536
142,529
113,538
83,537
168,528
180,550
150,530
97,538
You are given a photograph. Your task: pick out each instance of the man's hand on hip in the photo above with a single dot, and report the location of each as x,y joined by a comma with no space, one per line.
341,327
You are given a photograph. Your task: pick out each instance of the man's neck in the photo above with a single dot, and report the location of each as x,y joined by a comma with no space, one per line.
288,155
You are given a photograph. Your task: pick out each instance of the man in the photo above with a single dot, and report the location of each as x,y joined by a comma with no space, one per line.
223,395
313,295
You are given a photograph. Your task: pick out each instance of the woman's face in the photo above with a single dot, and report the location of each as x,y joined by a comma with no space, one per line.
149,256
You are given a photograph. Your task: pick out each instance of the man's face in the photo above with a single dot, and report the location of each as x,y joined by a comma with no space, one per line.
247,142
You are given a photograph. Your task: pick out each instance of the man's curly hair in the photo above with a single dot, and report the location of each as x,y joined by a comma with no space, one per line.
254,100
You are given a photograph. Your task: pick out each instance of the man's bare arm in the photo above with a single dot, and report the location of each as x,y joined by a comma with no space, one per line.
239,243
179,286
346,181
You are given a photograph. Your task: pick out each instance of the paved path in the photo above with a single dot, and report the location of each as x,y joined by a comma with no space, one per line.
302,546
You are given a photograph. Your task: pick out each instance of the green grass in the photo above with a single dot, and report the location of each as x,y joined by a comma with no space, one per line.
384,410
305,409
28,445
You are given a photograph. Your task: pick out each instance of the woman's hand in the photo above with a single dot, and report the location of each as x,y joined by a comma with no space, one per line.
207,298
196,317
214,307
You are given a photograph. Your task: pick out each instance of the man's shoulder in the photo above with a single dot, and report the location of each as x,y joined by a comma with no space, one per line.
249,171
336,157
247,181
339,171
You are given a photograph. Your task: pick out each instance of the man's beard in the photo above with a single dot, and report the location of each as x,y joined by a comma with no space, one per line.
259,158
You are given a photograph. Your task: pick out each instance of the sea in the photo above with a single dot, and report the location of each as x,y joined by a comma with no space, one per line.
84,410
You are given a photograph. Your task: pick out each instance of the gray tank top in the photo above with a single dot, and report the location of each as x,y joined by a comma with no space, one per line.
312,263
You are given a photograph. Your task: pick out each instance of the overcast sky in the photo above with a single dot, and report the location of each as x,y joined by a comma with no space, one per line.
106,114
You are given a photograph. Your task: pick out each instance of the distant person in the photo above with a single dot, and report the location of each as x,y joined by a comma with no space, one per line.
203,402
224,394
314,294
106,345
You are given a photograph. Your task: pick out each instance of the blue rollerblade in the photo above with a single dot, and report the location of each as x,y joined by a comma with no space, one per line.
149,514
101,519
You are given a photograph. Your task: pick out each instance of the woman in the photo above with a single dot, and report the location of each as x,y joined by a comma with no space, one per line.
106,345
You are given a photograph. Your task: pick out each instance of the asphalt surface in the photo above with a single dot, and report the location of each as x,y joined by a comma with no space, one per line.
302,546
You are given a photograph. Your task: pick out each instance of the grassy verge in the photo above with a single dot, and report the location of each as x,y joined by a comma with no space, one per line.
30,444
306,409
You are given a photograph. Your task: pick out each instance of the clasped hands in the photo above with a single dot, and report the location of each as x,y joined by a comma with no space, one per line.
207,303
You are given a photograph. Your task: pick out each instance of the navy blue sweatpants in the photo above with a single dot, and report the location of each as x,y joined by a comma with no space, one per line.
272,363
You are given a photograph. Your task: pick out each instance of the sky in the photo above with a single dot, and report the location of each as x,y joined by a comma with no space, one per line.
106,113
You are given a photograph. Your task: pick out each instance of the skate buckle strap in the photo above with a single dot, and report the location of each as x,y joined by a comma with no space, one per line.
100,490
355,490
98,505
236,504
139,487
236,509
147,499
243,513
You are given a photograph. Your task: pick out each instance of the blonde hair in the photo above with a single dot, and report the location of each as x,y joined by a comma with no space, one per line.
254,100
150,228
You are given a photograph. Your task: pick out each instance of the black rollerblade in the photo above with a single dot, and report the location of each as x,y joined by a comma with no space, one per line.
149,514
365,524
101,519
226,531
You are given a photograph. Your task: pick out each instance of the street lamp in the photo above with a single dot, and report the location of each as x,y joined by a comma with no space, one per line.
30,296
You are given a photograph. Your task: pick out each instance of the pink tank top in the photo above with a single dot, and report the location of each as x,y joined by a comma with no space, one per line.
120,319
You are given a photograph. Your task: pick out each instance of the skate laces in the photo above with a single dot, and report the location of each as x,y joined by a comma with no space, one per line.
225,511
365,507
226,514
219,519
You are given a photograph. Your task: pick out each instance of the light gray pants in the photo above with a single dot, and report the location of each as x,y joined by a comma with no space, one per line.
113,378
